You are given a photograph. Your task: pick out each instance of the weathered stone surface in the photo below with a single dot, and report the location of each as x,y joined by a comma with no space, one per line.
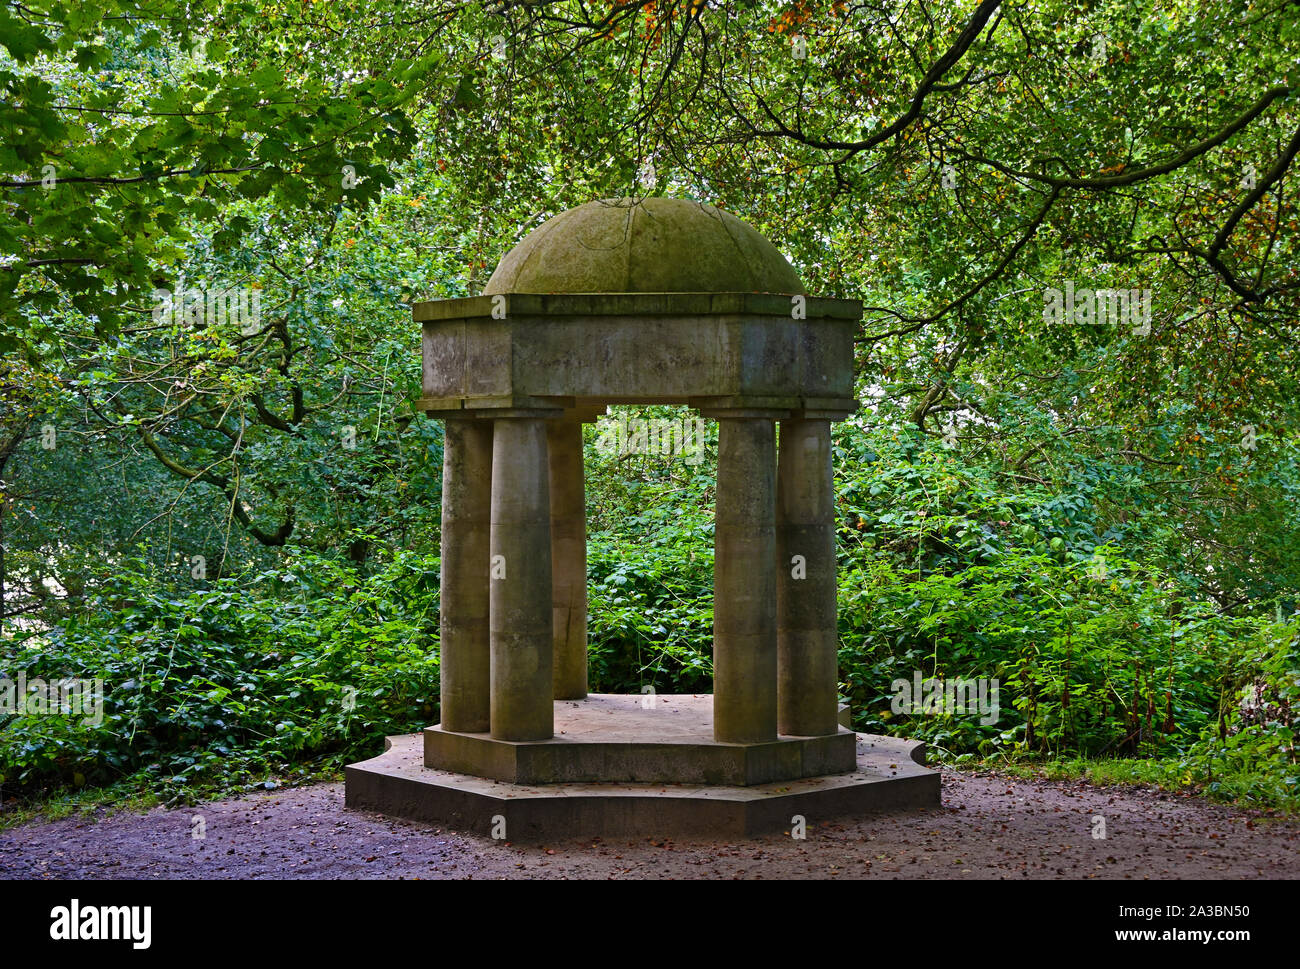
595,305
653,245
889,776
744,583
807,631
519,579
568,558
637,358
643,739
463,614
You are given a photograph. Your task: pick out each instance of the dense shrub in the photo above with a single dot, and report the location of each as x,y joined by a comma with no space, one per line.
309,663
945,572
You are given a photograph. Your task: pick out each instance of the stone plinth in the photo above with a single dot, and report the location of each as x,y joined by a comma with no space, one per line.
638,739
888,776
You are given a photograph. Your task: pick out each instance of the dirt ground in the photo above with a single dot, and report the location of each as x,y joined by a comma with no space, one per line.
989,827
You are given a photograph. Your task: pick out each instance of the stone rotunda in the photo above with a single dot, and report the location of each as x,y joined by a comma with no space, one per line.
656,301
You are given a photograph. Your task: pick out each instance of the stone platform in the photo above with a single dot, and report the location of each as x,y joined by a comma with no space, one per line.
887,773
637,739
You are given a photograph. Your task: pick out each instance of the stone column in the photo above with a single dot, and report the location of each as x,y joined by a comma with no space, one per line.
807,637
744,593
568,558
520,580
463,614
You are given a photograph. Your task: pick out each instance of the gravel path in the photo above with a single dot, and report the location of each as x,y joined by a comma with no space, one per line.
989,827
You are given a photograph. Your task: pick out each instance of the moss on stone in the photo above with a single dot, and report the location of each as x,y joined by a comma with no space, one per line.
653,245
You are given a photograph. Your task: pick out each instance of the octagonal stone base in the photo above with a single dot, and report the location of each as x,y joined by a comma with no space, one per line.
889,776
637,739
718,791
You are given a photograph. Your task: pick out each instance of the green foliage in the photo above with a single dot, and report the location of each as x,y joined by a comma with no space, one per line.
127,129
308,663
1108,527
946,572
1250,753
651,606
650,565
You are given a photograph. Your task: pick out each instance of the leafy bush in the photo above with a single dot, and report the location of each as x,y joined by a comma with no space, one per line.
1250,753
944,571
651,607
309,663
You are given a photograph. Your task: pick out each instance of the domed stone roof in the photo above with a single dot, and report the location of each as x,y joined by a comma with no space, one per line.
652,245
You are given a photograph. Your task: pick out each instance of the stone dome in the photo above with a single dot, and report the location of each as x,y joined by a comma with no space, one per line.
652,245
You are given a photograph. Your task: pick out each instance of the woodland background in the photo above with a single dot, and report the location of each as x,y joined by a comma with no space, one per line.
238,530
